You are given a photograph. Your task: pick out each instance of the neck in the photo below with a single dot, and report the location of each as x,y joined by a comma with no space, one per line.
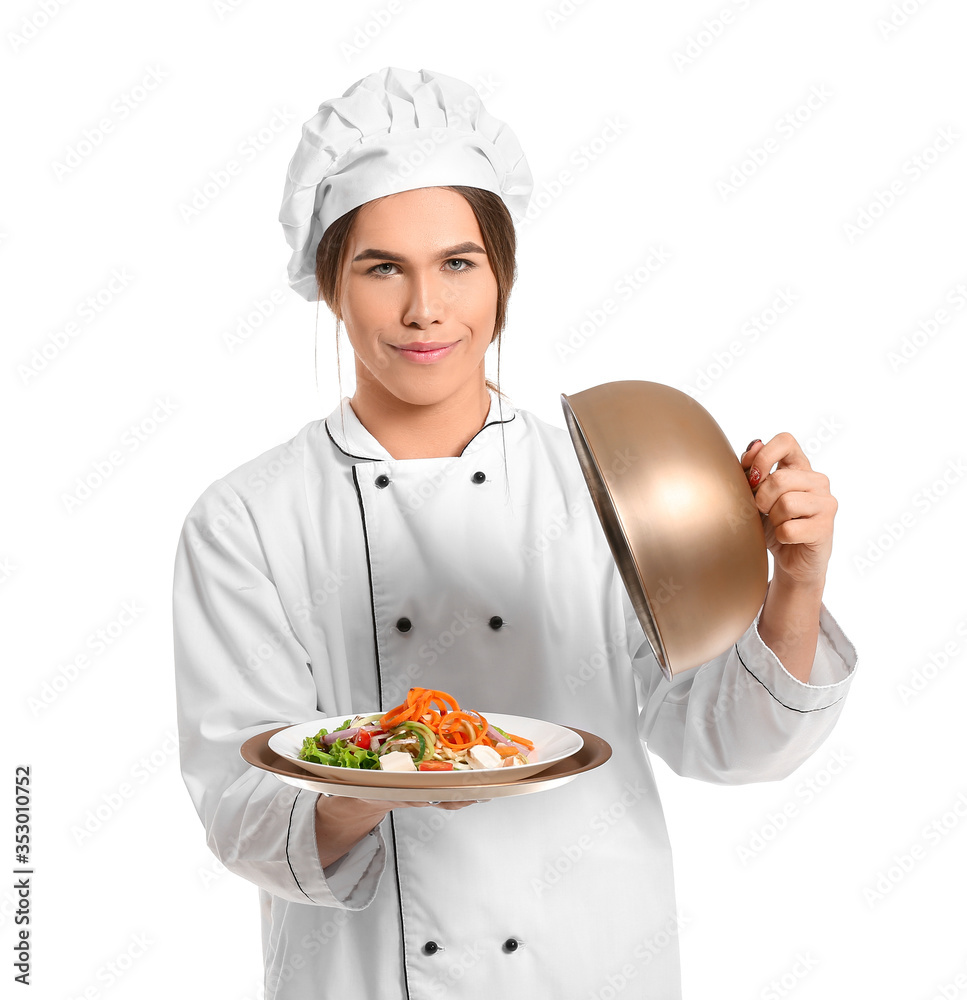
422,430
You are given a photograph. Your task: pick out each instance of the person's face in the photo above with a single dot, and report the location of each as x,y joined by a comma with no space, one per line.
416,275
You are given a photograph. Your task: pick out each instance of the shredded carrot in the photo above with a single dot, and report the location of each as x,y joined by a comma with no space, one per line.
521,741
455,728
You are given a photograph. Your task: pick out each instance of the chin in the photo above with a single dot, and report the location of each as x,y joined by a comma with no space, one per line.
423,392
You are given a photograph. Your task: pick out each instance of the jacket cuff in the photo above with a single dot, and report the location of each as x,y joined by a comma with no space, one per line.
351,881
831,674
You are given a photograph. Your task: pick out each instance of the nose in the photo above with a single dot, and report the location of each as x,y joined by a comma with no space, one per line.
425,301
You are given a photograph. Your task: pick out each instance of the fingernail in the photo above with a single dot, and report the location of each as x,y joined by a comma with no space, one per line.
748,447
754,476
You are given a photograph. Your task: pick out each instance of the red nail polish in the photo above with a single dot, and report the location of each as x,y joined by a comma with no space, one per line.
748,447
754,476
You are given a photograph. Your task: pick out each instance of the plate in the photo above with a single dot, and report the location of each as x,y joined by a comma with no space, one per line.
551,744
593,753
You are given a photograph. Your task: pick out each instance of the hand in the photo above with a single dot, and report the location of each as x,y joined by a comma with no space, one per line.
342,822
381,805
796,506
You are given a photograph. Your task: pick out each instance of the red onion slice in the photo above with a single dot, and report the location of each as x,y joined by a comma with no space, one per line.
340,734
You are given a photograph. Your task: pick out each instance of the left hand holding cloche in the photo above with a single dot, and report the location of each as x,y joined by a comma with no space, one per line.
796,506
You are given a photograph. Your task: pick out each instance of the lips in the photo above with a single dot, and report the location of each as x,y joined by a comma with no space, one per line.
425,353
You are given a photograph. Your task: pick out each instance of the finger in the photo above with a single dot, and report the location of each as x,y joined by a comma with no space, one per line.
797,506
784,481
783,451
809,529
750,452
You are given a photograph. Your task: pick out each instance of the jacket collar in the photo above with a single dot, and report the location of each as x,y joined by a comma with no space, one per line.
357,442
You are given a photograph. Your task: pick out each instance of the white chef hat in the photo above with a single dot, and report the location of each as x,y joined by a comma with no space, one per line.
394,130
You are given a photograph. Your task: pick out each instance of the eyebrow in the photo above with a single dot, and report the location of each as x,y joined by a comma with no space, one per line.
460,248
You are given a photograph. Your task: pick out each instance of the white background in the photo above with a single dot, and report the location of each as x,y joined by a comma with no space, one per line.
132,904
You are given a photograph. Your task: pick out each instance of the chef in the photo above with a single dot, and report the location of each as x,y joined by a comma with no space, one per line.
430,533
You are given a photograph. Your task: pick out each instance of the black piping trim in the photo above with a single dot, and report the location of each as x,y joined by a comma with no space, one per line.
379,683
482,429
364,458
288,834
367,458
802,711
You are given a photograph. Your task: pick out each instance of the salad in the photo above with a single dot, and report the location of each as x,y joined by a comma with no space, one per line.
429,731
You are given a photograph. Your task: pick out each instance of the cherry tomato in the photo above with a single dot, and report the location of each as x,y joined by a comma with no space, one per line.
436,765
363,740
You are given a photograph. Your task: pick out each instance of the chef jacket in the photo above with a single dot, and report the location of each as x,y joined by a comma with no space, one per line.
325,578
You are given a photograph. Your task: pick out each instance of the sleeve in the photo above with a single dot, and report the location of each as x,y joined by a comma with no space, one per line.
741,717
240,670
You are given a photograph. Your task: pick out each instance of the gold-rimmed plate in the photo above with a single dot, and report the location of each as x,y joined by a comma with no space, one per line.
593,753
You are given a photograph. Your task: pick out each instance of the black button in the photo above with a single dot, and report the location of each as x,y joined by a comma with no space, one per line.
404,624
382,481
430,948
496,622
511,944
479,477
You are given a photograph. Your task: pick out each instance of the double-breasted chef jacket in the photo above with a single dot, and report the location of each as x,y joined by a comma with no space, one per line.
325,578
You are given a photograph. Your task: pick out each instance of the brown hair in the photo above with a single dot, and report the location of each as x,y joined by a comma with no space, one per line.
500,242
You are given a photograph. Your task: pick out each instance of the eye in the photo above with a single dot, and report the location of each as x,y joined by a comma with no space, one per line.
381,274
460,260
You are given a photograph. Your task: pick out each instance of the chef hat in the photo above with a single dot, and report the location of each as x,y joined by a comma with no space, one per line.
394,130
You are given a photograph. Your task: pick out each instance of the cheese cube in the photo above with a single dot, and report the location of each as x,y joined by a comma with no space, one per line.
396,760
481,757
